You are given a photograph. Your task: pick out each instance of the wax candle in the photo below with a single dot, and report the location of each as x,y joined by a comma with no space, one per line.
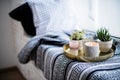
91,49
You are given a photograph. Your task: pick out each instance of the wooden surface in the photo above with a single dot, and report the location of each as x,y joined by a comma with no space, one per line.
11,74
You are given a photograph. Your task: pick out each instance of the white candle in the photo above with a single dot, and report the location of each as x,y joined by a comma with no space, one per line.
91,49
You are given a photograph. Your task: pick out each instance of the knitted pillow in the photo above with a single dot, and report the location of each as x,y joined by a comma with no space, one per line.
58,15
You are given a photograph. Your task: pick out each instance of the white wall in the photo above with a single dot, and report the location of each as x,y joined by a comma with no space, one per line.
7,50
109,15
12,37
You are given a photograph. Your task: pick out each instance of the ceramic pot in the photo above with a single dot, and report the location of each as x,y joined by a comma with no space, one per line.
92,49
105,46
76,47
74,44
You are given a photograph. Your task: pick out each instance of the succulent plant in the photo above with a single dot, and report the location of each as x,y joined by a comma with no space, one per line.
77,35
103,34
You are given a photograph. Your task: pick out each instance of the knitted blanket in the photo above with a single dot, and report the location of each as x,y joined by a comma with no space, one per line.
50,58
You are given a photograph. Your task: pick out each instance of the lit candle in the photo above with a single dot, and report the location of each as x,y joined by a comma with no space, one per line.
91,49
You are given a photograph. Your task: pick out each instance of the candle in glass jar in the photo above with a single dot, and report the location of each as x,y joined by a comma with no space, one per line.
91,49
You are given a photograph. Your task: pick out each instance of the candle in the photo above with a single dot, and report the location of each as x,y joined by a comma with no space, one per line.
91,49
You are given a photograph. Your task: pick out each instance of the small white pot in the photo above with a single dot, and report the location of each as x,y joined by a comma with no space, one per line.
105,46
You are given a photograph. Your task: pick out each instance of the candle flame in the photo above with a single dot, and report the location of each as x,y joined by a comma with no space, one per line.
92,44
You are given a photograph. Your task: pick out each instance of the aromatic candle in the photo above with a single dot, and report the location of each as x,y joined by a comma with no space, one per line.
91,49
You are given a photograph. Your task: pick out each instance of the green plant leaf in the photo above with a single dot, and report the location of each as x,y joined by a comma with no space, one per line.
103,34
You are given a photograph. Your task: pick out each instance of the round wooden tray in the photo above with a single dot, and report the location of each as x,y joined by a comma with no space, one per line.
102,56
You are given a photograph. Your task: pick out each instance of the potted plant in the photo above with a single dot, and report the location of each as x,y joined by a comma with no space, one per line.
105,40
76,41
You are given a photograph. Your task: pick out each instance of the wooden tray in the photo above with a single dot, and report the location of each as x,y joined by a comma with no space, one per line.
102,56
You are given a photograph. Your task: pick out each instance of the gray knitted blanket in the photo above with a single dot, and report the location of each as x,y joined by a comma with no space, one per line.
49,57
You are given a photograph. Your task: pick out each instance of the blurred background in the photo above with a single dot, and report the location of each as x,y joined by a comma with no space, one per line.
12,37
